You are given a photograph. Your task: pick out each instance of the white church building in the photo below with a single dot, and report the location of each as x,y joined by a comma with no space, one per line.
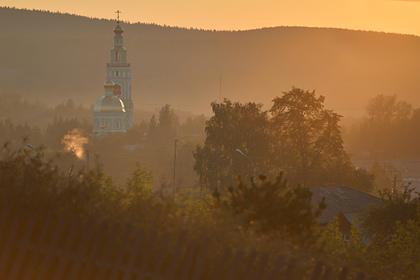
113,112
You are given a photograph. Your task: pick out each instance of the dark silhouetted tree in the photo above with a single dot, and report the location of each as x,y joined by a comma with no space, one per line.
308,143
274,207
237,144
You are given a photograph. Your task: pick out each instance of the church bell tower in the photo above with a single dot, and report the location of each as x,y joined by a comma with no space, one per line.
119,72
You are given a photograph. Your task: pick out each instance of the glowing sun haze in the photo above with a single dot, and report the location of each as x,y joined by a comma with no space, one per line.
400,16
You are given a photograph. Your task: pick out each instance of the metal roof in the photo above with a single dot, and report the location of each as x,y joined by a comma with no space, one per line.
345,200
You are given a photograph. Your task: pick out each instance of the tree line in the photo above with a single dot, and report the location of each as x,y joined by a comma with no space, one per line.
387,131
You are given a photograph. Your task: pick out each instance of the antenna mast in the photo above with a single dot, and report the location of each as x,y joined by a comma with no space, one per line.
220,87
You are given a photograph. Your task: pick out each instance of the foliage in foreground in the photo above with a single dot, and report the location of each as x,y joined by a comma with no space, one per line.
264,216
388,241
397,207
275,208
30,183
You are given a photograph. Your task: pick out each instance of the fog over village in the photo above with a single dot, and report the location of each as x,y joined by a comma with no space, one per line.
147,151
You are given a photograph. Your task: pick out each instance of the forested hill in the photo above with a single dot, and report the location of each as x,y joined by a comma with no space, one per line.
51,57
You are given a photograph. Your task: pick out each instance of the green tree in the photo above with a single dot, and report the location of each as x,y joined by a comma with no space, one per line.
393,231
168,123
336,243
274,207
387,109
405,244
397,207
237,144
386,118
387,131
152,125
308,143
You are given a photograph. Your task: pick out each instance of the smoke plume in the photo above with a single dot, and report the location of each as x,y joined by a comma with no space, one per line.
74,141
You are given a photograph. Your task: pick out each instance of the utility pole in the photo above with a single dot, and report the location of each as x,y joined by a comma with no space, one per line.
394,187
220,88
174,167
87,159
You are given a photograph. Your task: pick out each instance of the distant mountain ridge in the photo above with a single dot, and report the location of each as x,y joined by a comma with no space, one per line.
51,57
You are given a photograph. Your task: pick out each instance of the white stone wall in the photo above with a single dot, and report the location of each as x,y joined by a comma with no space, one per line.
109,122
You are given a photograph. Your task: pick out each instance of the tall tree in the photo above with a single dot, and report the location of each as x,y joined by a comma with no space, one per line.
388,131
308,142
387,109
237,144
386,116
168,123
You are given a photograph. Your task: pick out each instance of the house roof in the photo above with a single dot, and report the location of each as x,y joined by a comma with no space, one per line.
348,201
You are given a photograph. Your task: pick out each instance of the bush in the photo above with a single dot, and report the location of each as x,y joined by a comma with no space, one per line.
275,208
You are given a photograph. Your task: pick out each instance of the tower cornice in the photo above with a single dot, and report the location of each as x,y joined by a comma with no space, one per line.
118,65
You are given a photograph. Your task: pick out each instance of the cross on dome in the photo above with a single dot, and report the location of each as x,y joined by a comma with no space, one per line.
118,12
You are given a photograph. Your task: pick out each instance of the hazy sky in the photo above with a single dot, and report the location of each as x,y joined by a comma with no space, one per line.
401,16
